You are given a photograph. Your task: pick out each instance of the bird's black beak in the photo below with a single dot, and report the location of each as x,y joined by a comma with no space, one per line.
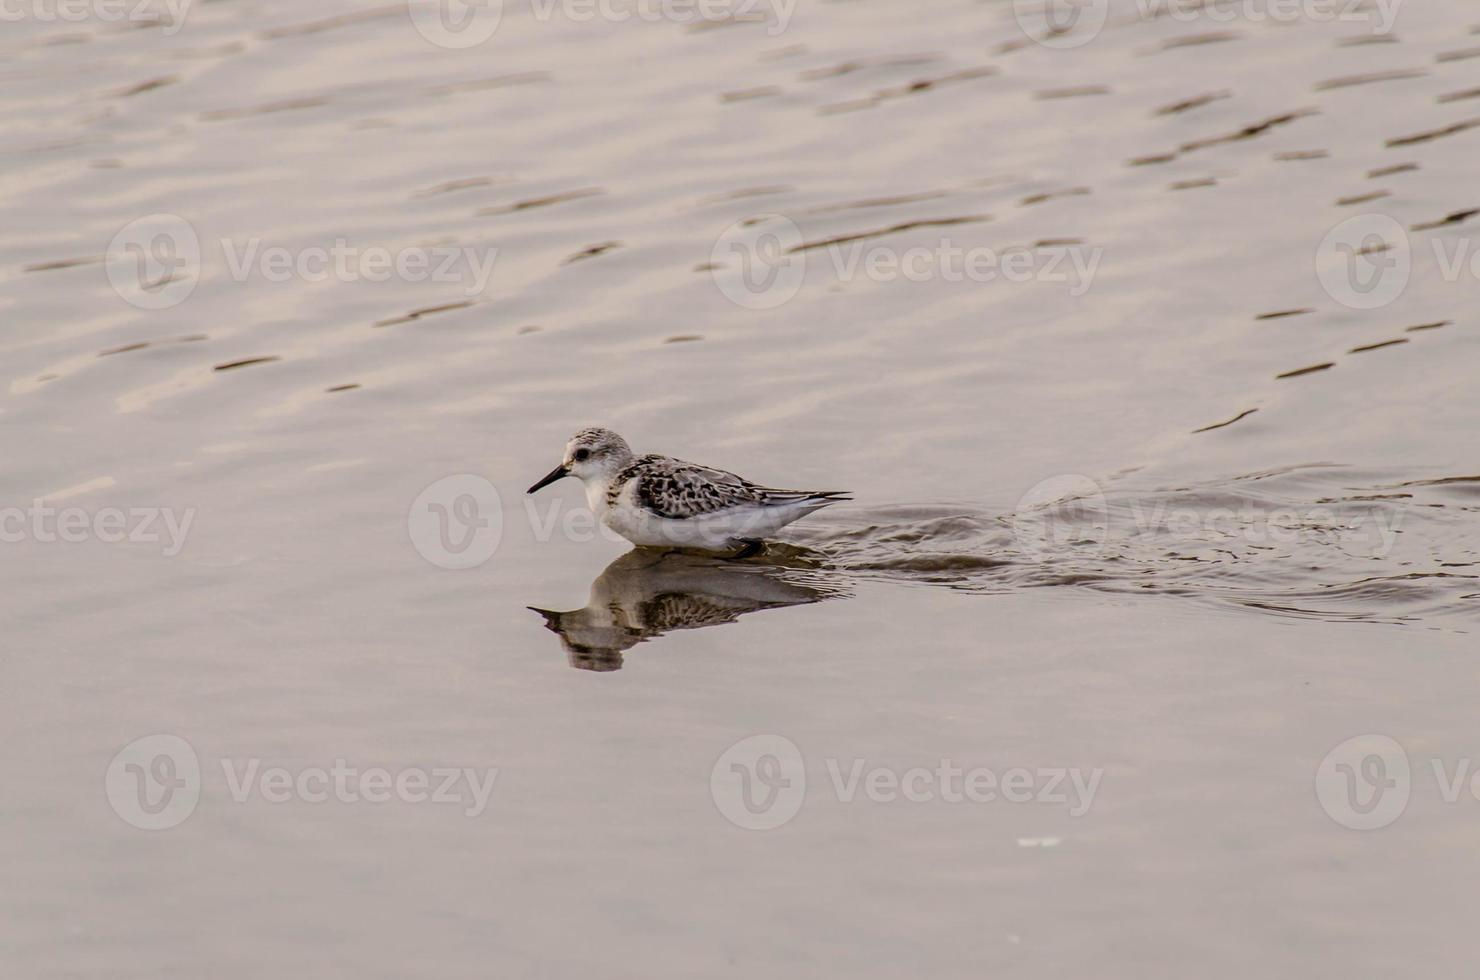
559,472
552,618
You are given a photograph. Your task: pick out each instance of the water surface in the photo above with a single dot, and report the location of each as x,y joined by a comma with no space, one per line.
1190,521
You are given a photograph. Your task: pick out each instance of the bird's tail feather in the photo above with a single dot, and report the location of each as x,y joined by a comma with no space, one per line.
796,496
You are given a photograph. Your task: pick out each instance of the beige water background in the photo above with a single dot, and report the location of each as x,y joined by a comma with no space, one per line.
1210,614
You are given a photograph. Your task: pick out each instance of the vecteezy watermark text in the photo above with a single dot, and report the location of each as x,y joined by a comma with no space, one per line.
457,522
344,262
1366,261
344,783
467,23
155,262
775,14
1070,512
46,524
170,14
1275,11
156,782
1367,782
1064,24
762,262
760,783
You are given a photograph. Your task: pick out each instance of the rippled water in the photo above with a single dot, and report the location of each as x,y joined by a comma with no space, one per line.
1181,503
1322,541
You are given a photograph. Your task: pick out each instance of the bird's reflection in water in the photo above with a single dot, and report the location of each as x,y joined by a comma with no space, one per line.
644,594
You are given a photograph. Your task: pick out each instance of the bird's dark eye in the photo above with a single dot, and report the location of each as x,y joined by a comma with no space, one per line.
582,455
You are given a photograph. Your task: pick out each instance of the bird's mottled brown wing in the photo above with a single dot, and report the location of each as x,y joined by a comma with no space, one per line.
673,488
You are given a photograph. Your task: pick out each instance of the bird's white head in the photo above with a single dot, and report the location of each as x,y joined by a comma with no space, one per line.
592,455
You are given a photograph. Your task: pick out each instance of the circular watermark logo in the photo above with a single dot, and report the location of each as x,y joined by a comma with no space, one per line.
1059,513
1061,24
456,24
1364,262
153,782
759,263
1364,783
457,522
760,782
153,262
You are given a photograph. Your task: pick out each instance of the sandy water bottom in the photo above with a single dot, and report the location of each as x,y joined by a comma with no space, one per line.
1189,521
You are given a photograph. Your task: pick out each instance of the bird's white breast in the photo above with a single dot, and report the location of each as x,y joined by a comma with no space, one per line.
596,497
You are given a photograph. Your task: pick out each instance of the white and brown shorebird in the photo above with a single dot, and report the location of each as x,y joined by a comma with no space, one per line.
660,502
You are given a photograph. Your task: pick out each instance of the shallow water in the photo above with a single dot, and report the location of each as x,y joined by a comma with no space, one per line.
1107,518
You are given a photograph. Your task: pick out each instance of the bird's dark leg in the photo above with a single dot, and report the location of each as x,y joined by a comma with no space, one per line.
749,548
